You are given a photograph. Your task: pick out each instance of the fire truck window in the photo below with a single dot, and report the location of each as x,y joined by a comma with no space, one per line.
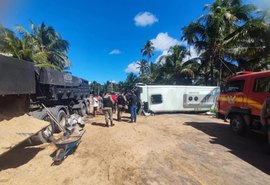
235,86
262,85
156,99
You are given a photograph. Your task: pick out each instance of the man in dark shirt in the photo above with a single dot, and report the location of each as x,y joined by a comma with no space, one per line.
133,100
121,101
107,108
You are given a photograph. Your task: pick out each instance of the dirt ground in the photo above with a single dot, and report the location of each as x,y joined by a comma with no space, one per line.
161,149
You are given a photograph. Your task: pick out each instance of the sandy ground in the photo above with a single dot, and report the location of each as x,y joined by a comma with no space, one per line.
160,149
18,129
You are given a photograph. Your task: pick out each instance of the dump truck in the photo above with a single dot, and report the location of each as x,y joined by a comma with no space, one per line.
243,100
26,89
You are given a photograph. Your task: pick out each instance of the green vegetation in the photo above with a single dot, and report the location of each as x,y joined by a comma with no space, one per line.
230,37
43,46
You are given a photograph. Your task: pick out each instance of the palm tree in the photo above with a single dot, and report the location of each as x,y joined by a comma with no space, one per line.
253,45
48,47
43,46
148,50
209,32
173,67
143,66
10,44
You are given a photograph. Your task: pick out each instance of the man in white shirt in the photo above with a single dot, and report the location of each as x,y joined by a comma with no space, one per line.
95,105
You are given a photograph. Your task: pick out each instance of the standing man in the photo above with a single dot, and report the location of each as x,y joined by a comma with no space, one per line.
107,108
114,99
121,101
133,101
95,105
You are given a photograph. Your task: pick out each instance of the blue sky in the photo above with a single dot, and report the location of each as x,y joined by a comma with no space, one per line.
106,36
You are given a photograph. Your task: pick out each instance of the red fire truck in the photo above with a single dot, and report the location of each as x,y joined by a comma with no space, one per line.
242,98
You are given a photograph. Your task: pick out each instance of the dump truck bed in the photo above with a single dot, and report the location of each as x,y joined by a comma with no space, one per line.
16,76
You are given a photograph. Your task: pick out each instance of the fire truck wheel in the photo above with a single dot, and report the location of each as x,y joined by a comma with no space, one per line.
238,125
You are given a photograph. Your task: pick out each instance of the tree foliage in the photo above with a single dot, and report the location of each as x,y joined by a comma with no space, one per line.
42,45
230,37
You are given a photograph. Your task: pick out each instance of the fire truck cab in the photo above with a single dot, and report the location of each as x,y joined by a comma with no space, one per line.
241,100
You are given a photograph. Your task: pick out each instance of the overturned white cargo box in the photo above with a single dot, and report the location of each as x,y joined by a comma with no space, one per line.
176,98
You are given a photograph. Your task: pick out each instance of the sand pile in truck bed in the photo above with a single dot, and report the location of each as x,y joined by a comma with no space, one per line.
17,129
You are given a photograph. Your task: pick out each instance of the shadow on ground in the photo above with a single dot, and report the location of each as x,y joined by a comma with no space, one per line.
18,156
99,124
250,148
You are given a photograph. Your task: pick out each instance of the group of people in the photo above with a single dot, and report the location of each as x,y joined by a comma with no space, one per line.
112,102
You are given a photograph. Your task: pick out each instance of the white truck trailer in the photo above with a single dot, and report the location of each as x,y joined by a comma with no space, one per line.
176,98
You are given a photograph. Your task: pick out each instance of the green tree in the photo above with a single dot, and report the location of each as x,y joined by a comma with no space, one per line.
251,45
131,80
143,66
10,44
148,50
48,44
95,87
43,46
209,32
173,69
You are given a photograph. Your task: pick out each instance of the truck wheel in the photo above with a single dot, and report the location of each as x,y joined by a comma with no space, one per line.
88,108
238,125
82,110
62,119
42,136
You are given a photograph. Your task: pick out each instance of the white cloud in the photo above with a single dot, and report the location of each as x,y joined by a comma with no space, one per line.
145,19
115,52
132,68
163,42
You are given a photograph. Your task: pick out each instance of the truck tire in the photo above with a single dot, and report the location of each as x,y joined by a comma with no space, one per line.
88,108
82,110
238,124
62,119
42,136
